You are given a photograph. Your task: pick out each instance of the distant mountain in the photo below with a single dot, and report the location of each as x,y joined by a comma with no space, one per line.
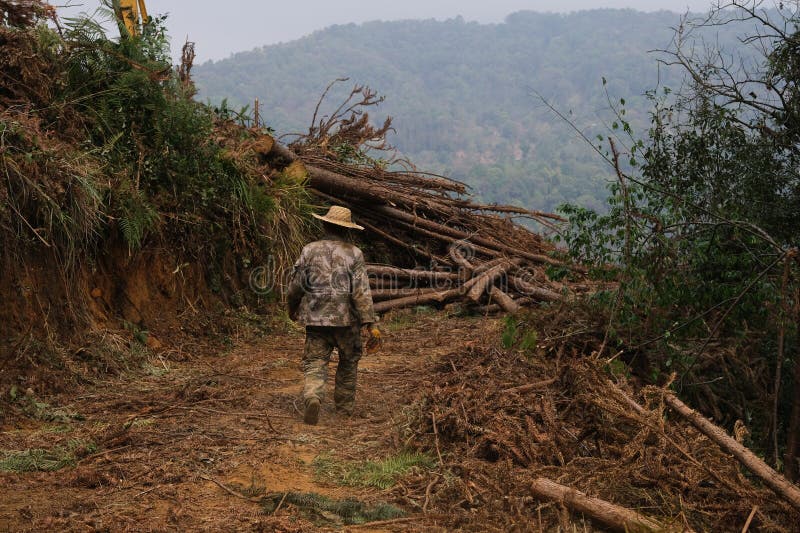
463,94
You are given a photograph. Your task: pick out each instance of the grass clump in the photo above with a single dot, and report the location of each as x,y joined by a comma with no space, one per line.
43,460
321,509
382,474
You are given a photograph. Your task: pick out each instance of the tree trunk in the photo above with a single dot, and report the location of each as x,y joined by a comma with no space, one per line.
494,308
421,299
791,459
379,295
392,273
483,267
483,281
613,516
441,229
528,289
504,300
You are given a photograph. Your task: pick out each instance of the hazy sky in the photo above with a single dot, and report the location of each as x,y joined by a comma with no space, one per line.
222,28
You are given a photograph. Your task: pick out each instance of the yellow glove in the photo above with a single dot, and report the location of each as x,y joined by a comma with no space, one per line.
375,340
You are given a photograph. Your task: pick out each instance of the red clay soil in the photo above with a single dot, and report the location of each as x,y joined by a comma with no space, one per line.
168,438
200,439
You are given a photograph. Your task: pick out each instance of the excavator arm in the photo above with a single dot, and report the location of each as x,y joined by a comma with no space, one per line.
132,13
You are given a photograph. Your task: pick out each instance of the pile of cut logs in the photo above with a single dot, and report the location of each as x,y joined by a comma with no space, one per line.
499,284
459,250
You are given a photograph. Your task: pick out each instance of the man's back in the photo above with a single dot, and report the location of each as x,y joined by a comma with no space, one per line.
330,286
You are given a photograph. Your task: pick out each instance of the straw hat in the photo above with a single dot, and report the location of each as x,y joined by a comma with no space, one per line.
340,216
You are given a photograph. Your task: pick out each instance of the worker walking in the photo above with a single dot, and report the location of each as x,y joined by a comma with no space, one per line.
329,294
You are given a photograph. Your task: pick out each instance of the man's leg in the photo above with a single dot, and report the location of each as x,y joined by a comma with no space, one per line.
318,348
348,340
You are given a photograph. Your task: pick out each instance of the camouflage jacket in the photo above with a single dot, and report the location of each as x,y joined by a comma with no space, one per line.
329,286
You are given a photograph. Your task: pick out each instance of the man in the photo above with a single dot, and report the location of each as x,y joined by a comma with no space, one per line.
329,294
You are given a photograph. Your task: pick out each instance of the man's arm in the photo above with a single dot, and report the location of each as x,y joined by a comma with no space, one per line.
361,295
296,289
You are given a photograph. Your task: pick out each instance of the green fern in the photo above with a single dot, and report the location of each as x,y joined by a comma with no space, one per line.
137,219
42,460
322,509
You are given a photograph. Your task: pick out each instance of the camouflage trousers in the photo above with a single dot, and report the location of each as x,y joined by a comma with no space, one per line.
320,342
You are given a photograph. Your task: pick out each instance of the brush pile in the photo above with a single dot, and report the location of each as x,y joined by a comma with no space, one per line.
459,249
544,427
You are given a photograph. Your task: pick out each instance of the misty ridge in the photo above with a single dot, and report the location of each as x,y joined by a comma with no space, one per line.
464,95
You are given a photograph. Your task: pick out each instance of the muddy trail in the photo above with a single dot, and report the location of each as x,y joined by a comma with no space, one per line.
213,441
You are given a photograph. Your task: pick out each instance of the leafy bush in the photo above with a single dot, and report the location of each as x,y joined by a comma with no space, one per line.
701,232
111,142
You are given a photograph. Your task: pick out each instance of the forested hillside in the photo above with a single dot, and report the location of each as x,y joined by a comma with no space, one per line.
462,94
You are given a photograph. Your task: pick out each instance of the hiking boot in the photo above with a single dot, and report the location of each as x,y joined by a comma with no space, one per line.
311,415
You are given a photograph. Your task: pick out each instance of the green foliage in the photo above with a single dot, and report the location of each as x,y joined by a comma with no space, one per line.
679,236
322,509
59,189
137,218
42,460
39,410
114,144
516,334
382,474
697,231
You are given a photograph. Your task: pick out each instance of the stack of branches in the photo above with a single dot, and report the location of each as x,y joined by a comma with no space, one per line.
500,284
479,251
546,424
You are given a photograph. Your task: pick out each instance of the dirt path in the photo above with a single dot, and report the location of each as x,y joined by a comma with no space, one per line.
169,438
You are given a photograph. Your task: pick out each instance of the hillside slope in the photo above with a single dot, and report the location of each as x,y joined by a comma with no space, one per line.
462,93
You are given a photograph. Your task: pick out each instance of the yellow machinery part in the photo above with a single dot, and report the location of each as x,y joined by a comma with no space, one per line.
132,13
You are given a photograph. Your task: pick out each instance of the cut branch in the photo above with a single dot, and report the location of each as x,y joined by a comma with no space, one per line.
783,487
504,300
613,516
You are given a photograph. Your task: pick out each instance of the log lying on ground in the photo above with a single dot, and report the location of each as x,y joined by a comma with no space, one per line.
495,308
379,295
504,300
782,486
463,263
388,273
533,291
613,516
510,263
482,281
419,299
